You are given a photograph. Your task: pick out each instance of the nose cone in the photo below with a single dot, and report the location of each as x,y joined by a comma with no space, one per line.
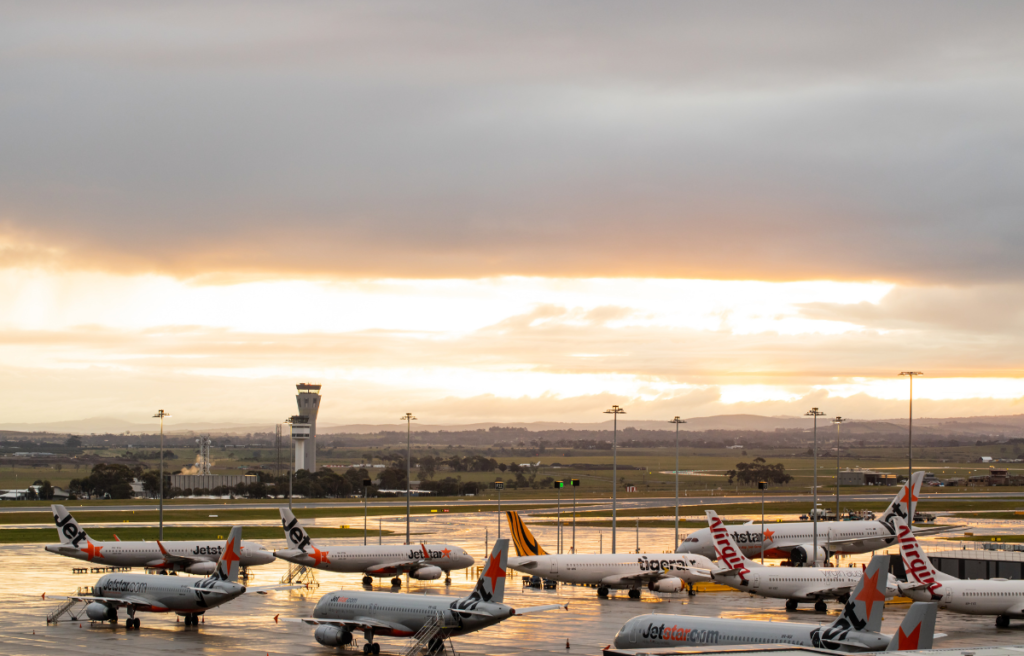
467,560
618,641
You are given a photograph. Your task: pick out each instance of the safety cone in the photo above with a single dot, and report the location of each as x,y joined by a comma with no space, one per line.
566,644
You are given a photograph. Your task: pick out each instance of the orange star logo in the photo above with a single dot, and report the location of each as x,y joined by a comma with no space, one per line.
320,557
768,535
909,641
494,572
446,553
870,594
229,555
908,495
92,550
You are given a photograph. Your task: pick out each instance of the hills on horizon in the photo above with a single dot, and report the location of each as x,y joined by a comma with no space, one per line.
739,422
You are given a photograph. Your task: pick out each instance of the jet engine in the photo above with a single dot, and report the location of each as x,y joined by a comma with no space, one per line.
802,555
428,573
671,584
98,612
205,568
332,636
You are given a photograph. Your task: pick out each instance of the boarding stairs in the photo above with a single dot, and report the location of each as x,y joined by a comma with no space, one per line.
65,608
300,575
430,635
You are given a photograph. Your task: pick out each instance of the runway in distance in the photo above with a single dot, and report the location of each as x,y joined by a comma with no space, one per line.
659,572
857,629
1002,598
192,556
340,613
794,584
424,562
794,541
183,595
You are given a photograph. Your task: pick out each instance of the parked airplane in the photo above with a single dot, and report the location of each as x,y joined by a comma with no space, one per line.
425,562
659,572
162,594
339,614
192,556
794,584
794,541
1002,598
857,629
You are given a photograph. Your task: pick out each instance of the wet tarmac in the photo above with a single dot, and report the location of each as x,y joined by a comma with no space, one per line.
246,625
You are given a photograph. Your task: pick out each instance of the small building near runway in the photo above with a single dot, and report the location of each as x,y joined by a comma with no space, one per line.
861,477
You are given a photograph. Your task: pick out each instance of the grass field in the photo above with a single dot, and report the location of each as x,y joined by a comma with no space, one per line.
39,535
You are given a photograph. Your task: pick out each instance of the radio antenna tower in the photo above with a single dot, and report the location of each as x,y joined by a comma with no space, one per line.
204,455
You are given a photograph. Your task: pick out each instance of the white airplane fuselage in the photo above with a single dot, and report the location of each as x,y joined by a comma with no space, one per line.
374,559
147,554
781,538
797,583
977,597
167,593
611,570
409,611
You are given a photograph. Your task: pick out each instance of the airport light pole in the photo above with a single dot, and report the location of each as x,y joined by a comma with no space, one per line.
575,483
408,470
366,490
910,426
291,463
615,411
499,486
762,485
838,421
677,421
161,414
814,412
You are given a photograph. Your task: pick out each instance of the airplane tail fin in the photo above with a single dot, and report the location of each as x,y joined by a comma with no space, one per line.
905,503
227,564
917,629
867,601
726,549
919,567
522,538
67,528
295,535
491,584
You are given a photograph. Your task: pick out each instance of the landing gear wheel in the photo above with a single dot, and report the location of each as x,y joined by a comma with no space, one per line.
820,606
690,591
367,648
396,582
634,594
448,580
791,605
367,580
1003,621
376,648
602,592
138,623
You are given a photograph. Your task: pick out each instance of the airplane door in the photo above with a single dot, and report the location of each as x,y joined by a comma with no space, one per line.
554,566
755,581
632,633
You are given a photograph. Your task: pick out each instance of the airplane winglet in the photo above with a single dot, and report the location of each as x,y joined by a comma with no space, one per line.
161,546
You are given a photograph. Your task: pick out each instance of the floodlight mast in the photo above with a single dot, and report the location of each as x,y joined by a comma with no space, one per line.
838,421
408,469
161,414
677,421
615,411
814,412
910,425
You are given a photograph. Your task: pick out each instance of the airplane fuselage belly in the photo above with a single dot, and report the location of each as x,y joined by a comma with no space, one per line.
982,597
799,583
410,611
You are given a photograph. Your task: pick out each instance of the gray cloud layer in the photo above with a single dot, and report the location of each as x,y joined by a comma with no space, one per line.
729,140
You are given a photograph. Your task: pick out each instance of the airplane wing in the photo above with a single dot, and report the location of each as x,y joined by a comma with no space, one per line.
264,589
171,559
917,531
938,529
538,609
399,565
358,623
120,601
530,564
834,591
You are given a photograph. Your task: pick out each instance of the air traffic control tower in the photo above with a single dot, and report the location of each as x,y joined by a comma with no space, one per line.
308,398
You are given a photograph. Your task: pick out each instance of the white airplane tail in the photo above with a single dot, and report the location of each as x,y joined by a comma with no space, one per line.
920,571
67,528
227,564
726,550
863,611
295,535
905,503
490,587
917,629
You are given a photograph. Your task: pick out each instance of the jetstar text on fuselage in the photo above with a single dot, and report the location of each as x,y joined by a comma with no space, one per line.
679,634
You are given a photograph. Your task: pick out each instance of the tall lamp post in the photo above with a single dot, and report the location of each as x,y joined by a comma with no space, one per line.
161,414
499,486
910,426
677,421
366,491
291,465
838,421
762,485
575,483
814,412
615,411
558,542
408,470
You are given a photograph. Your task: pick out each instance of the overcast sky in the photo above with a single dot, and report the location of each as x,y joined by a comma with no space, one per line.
516,154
